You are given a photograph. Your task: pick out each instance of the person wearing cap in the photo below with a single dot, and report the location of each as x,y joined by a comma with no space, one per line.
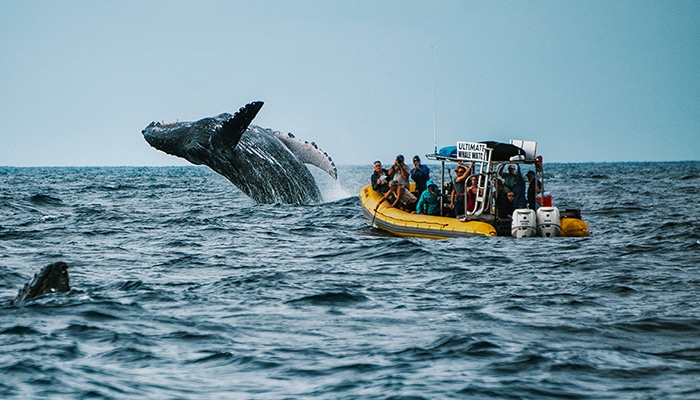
420,175
400,171
532,190
429,201
380,178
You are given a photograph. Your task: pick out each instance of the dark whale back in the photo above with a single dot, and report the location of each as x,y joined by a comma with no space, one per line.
265,170
53,278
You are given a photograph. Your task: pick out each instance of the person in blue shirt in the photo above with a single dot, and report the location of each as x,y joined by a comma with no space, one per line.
420,175
429,201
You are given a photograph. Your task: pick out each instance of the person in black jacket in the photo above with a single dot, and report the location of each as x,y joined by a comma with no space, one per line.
379,178
532,190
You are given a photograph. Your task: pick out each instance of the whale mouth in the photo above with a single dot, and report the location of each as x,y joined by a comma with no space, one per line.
155,139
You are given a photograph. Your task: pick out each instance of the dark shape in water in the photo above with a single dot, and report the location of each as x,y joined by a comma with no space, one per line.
45,200
53,278
267,166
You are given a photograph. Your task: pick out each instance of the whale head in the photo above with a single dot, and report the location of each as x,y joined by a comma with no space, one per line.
196,141
188,140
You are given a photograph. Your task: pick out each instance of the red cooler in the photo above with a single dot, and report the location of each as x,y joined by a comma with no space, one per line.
545,200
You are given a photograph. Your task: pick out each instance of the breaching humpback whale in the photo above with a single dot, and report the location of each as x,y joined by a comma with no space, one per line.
53,278
267,166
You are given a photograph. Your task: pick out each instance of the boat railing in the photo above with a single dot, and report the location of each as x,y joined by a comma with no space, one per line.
483,163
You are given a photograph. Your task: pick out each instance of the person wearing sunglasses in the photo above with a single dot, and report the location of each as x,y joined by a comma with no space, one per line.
420,175
460,188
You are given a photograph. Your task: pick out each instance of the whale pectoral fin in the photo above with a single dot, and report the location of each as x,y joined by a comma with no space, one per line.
308,153
231,131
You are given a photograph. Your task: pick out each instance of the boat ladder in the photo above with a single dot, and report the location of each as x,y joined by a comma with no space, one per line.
483,185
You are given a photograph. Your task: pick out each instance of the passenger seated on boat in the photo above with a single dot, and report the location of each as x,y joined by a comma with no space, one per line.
380,178
429,201
420,175
400,171
457,198
504,203
403,198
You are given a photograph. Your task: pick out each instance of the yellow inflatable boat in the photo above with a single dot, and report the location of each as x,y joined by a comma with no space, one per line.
488,161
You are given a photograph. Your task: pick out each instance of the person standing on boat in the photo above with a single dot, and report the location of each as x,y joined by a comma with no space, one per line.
403,199
429,201
380,178
457,198
532,190
472,191
519,201
508,179
400,172
420,175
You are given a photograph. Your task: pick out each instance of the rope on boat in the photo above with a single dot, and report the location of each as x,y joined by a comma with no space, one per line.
405,221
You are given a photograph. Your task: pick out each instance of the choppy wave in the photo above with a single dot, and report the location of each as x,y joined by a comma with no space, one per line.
184,288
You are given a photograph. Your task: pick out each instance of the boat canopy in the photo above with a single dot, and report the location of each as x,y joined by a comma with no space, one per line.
503,151
500,151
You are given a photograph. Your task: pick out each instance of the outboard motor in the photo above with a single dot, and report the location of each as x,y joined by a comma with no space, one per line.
548,221
524,223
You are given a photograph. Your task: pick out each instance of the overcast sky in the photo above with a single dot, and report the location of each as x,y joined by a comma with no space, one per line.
588,80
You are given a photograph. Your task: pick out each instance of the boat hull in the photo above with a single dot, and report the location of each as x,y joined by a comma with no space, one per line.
401,223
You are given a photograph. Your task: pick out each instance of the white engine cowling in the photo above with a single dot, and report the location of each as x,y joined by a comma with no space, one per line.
524,223
548,222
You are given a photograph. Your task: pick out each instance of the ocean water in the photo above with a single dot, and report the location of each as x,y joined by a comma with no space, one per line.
183,288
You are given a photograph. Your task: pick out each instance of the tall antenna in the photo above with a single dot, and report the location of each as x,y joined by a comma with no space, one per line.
432,56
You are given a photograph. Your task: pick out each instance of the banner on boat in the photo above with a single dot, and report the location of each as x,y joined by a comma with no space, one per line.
471,151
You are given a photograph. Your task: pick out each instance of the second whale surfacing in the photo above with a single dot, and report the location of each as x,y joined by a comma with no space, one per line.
266,165
53,278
